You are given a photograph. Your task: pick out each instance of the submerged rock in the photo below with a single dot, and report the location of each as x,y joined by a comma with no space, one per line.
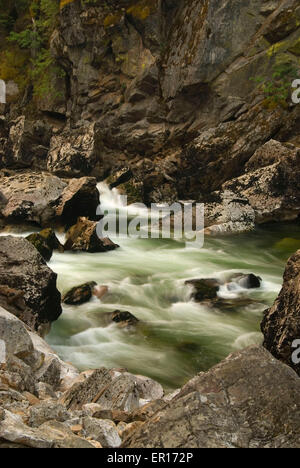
79,294
281,323
249,281
83,237
124,318
36,299
205,289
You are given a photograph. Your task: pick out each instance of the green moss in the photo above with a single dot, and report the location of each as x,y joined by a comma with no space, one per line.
112,19
295,48
143,9
133,192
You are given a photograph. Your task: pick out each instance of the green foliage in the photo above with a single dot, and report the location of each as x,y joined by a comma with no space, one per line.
38,21
277,90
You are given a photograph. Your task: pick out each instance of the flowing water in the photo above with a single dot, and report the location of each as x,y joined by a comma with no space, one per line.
176,337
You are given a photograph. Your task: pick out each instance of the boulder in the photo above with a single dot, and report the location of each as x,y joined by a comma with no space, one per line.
117,393
104,431
31,197
123,318
249,281
204,289
281,323
44,199
87,391
233,405
47,411
271,183
225,213
83,237
49,435
79,294
15,336
27,360
79,198
23,269
41,245
45,242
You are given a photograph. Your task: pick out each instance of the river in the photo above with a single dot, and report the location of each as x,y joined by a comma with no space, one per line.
176,337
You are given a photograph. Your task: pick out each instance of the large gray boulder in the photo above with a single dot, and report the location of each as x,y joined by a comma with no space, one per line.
31,197
27,285
27,360
42,198
234,405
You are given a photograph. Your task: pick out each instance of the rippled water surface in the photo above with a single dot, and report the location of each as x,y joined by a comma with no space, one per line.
176,337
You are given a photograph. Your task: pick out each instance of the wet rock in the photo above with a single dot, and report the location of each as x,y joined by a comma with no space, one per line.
250,281
251,411
23,269
103,431
205,289
83,237
100,291
281,324
124,319
79,294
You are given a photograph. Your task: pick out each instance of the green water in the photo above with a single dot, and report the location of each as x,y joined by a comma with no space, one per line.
176,337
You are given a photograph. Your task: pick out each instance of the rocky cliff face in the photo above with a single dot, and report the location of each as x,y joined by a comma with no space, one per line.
281,324
171,89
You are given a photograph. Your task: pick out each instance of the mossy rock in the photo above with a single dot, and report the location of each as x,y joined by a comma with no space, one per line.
45,242
41,245
133,190
49,235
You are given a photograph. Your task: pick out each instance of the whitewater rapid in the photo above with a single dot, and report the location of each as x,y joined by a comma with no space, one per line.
176,337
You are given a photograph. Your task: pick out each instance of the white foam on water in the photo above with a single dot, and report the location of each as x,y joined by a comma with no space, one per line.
176,337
